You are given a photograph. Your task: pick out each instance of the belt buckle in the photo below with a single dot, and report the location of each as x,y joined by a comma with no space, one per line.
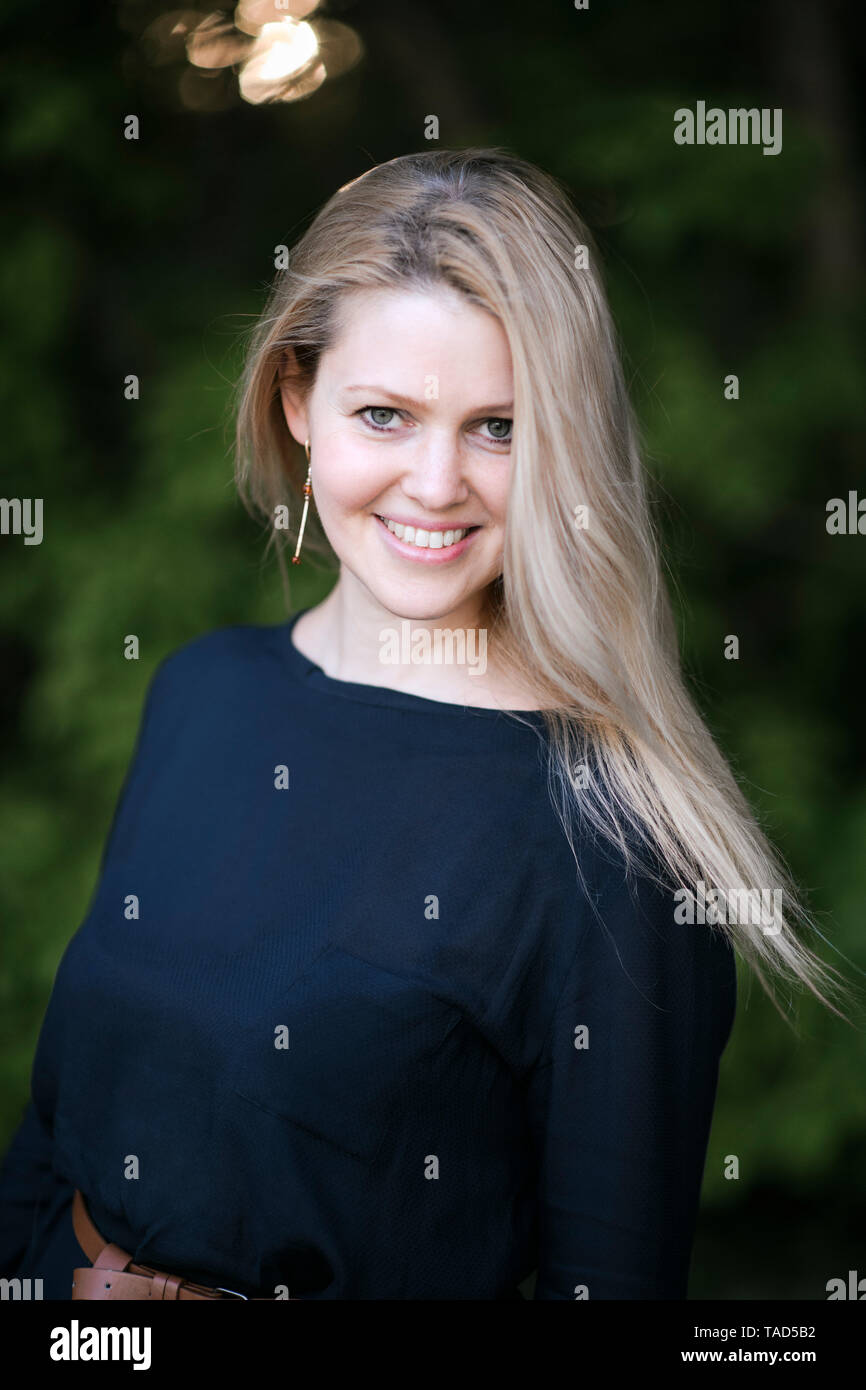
233,1292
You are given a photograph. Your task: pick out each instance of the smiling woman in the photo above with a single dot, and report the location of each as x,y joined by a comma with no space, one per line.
399,1002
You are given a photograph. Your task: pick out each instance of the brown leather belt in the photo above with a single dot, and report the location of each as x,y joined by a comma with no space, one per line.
114,1275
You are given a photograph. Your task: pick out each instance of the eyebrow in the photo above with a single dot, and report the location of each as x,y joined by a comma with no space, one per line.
407,400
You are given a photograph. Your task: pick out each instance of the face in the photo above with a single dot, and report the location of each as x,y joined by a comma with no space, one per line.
410,424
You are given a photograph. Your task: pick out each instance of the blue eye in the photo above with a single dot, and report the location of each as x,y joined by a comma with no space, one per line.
500,420
380,410
369,412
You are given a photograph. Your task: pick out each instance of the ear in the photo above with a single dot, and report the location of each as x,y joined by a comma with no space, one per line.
292,398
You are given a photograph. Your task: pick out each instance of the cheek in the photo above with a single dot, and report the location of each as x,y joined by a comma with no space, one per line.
495,499
347,482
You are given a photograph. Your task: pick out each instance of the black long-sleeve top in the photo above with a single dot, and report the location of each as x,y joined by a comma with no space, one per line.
341,1017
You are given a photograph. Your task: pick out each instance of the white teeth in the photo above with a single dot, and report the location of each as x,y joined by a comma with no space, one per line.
425,540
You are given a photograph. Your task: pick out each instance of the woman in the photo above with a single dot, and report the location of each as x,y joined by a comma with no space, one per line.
411,961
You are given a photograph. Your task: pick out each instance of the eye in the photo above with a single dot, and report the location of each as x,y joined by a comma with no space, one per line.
501,429
377,410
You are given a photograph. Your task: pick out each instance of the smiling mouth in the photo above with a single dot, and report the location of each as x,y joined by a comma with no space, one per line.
426,539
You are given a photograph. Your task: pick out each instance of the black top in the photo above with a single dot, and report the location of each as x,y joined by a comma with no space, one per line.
340,1016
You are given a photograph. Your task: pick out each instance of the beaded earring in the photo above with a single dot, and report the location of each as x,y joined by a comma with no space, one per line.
308,489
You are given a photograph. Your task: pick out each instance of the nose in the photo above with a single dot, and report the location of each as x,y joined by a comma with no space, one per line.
435,476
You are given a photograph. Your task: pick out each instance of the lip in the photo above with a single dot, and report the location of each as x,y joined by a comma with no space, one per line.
423,554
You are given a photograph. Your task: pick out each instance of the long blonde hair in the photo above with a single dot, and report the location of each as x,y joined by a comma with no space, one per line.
581,612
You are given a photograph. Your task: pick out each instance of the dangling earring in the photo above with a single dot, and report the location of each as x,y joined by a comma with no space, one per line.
308,488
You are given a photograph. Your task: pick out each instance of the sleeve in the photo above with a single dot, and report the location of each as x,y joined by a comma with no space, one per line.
27,1179
622,1095
155,699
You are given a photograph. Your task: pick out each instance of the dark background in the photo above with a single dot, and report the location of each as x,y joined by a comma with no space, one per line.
152,257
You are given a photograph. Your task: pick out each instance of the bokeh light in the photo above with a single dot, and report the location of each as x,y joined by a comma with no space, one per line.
277,53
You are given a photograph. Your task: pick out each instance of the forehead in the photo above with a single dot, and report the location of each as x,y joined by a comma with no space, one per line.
393,336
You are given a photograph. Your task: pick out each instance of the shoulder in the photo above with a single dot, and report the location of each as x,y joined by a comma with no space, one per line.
216,659
214,676
222,649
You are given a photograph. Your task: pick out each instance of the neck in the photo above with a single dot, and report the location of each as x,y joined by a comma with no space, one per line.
353,637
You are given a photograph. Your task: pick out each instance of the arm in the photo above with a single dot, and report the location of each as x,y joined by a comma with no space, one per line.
25,1178
621,1121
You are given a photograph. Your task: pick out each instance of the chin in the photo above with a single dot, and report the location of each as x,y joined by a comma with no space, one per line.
422,607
